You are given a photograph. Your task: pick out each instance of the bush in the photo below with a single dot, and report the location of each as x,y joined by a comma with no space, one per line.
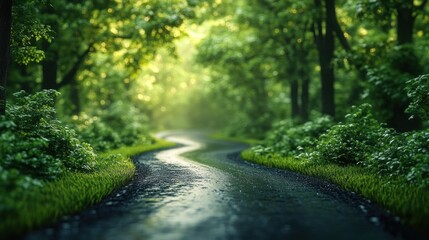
289,140
405,155
35,145
92,130
128,122
362,140
418,143
248,126
117,126
418,92
353,141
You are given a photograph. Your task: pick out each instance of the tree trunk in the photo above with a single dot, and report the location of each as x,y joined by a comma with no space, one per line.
404,31
405,22
49,73
5,32
70,78
400,120
325,42
25,85
75,98
328,99
294,88
305,98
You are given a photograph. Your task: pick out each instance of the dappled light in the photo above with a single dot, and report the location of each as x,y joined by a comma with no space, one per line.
249,97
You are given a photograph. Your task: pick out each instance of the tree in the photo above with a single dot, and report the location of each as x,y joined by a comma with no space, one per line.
283,27
129,33
388,76
5,33
325,27
407,12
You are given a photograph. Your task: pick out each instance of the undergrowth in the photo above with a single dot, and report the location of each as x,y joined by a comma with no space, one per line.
37,206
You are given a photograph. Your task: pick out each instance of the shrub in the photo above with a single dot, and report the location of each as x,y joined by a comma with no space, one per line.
129,123
35,145
418,143
117,126
244,125
405,155
352,141
418,92
92,130
287,139
362,140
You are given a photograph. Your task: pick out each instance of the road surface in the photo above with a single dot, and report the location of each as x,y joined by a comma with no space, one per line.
203,190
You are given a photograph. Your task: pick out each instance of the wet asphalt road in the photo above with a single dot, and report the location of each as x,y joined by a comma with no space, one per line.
203,190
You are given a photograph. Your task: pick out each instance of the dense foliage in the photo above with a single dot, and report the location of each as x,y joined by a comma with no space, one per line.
289,140
351,141
360,140
417,90
35,145
83,50
119,125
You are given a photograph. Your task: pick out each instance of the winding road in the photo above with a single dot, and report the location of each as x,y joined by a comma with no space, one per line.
203,190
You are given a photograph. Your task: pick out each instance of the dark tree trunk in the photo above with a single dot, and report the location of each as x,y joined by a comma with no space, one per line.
305,98
70,79
328,99
50,63
325,42
50,72
328,76
294,93
260,111
5,31
25,85
75,98
400,120
70,76
405,22
406,14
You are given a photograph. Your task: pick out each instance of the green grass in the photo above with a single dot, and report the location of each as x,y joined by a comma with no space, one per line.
71,193
407,201
249,141
133,150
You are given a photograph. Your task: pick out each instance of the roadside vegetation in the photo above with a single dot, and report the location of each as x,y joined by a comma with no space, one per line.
75,102
360,155
404,200
333,88
47,172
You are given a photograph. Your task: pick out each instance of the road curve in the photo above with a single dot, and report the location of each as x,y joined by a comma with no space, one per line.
203,190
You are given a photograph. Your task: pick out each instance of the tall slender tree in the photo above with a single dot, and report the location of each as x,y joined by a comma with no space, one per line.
323,32
5,33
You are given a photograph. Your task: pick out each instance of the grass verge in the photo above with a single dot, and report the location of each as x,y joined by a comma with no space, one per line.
249,141
26,210
406,201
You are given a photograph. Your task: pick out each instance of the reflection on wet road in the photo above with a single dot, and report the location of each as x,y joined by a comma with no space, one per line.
202,190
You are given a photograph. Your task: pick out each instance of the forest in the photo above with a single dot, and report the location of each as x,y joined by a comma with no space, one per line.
338,90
